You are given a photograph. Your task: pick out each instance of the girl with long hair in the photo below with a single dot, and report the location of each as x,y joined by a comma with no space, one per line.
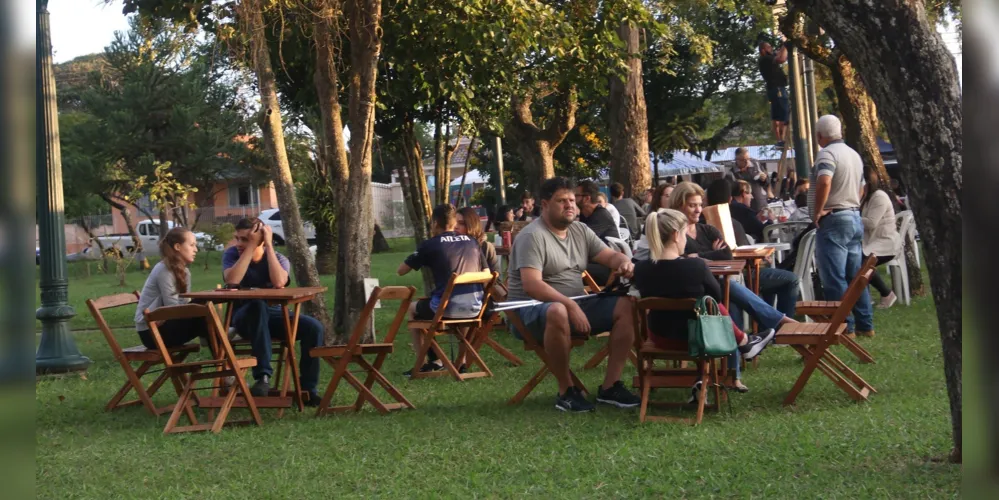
881,236
169,278
470,224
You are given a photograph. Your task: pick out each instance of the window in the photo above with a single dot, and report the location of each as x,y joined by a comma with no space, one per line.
142,229
243,195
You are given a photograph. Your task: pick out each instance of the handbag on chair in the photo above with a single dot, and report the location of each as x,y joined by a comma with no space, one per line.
709,333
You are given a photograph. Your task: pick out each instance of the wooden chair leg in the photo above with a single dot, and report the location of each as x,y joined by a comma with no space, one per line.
181,407
503,351
375,375
133,382
365,393
598,357
223,414
443,357
645,375
468,351
811,362
531,384
856,349
324,404
702,395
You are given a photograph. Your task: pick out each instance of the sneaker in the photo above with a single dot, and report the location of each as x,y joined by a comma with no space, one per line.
262,387
865,333
314,399
429,366
573,401
618,396
756,344
887,301
462,369
694,391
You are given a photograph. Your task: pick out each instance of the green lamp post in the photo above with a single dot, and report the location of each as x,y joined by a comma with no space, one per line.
57,353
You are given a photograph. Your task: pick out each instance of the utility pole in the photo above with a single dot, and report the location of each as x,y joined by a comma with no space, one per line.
57,353
499,167
801,152
813,106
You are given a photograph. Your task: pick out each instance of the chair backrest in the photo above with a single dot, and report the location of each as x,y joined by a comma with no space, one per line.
590,284
205,311
485,278
905,221
404,294
99,304
853,293
620,245
806,256
643,306
783,232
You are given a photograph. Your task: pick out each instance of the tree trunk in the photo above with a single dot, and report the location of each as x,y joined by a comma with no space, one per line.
164,224
536,145
130,226
414,191
860,118
442,172
271,126
629,129
328,259
365,46
100,246
378,242
913,79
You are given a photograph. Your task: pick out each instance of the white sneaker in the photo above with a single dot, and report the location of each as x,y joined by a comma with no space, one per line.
888,301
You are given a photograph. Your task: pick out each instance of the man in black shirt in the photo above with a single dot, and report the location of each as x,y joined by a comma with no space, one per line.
770,68
445,253
599,220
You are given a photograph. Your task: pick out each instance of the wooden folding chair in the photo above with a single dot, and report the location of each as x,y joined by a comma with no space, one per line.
340,357
149,358
481,337
823,310
530,344
675,375
813,340
440,325
591,286
224,363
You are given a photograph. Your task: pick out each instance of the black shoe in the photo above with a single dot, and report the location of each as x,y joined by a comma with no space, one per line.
779,144
429,366
694,391
262,387
462,369
756,344
314,399
618,396
573,401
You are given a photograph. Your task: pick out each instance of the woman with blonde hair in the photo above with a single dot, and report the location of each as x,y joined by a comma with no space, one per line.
169,278
468,223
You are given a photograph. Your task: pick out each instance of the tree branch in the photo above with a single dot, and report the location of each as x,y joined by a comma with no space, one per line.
793,27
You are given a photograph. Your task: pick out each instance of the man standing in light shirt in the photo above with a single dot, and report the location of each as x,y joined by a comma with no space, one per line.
834,202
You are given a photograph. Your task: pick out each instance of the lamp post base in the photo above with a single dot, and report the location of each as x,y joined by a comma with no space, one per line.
57,352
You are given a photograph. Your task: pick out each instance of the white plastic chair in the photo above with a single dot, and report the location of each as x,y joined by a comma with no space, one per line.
784,232
620,245
804,263
905,221
897,267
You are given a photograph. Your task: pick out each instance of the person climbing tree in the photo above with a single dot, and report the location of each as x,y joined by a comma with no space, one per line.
776,80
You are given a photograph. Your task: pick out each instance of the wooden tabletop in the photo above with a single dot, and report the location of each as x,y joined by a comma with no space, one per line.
726,267
502,251
223,294
760,253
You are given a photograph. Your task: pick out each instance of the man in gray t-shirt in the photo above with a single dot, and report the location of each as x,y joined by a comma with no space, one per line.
834,202
546,264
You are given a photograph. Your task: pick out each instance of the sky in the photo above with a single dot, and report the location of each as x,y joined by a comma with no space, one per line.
81,27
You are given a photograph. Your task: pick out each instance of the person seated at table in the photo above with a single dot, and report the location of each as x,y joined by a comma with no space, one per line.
549,256
774,283
469,224
503,214
881,236
168,279
801,188
599,220
741,194
254,263
445,253
528,211
660,199
669,275
706,242
629,209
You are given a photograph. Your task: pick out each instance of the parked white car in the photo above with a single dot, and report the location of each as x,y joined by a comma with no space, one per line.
272,217
148,234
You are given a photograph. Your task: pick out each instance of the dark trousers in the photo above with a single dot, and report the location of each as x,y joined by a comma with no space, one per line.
260,323
176,332
876,281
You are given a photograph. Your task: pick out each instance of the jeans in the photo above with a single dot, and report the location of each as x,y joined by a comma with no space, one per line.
782,285
259,323
743,299
838,256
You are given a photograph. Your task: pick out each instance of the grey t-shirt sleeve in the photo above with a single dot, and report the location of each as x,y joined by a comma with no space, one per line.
528,252
825,164
593,243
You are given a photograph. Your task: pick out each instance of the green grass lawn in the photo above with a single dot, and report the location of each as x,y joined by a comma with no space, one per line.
464,441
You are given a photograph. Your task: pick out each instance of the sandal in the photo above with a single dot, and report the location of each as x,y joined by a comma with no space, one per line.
739,387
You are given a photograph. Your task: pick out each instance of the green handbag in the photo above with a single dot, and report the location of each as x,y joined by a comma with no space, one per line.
709,334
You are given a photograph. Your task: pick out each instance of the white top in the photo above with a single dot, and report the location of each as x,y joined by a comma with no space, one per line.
881,237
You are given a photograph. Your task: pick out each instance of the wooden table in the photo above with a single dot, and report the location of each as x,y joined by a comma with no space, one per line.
723,269
283,297
504,252
754,260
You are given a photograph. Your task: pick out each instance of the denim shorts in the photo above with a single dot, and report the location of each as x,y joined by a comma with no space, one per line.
599,312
